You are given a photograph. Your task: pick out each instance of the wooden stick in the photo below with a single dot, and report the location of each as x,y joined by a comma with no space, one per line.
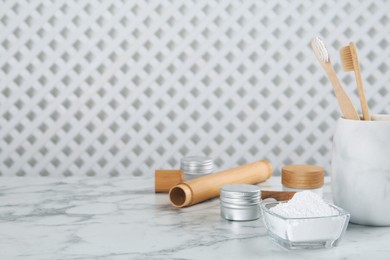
207,187
278,195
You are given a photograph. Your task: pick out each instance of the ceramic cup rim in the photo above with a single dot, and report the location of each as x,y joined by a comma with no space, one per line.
375,119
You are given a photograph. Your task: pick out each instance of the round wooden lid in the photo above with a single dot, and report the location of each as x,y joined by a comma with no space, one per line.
303,176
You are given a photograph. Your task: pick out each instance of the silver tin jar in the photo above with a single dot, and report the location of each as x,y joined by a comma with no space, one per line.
196,166
240,202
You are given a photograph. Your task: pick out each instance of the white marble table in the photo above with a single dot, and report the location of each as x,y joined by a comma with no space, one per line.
119,218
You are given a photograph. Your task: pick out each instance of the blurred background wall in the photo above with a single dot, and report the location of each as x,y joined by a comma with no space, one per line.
107,88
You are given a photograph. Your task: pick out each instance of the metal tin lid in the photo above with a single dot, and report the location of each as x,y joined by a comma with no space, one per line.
197,165
303,176
240,190
240,194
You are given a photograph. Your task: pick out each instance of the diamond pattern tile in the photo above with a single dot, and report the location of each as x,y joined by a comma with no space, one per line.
107,88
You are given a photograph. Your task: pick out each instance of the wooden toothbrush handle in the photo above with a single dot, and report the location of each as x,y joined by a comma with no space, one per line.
345,103
359,82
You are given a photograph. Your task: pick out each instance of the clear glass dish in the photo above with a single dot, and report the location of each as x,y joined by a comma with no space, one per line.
305,233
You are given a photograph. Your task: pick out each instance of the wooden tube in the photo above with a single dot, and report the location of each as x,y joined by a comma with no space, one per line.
207,187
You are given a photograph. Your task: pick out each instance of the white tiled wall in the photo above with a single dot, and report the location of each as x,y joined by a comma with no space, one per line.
104,88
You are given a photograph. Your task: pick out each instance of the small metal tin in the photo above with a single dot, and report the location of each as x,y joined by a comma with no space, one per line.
240,202
196,166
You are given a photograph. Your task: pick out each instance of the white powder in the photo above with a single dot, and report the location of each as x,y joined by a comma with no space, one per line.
304,204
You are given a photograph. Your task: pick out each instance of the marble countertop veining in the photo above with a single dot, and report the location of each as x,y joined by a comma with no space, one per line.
120,218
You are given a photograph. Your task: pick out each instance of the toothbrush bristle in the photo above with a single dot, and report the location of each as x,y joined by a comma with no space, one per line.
346,58
320,50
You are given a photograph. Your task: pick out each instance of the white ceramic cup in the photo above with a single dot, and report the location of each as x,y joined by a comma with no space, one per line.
361,169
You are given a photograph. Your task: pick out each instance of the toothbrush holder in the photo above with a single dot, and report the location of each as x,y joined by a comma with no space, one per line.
361,169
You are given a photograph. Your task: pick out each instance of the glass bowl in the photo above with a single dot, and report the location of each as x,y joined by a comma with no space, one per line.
304,233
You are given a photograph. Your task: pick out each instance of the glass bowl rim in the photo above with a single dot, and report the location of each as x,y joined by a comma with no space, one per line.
264,208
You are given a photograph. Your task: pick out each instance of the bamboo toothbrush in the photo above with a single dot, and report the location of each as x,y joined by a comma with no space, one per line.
350,62
347,108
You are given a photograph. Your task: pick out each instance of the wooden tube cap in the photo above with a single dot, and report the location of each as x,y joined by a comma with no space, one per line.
164,180
181,195
303,176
